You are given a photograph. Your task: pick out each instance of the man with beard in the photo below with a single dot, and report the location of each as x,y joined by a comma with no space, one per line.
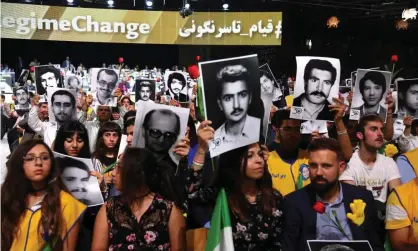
372,88
175,84
319,77
369,169
63,106
144,92
22,98
309,210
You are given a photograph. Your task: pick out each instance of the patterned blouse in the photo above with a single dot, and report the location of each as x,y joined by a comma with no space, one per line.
150,233
259,232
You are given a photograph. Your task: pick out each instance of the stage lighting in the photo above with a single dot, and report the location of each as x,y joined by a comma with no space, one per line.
70,1
185,11
187,6
225,6
110,2
149,3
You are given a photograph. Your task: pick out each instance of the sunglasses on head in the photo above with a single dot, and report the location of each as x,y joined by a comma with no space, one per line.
154,133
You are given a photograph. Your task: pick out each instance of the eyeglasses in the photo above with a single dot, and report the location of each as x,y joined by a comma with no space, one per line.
32,159
288,129
157,134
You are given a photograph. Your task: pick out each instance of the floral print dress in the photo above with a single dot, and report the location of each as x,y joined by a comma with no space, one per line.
150,233
259,232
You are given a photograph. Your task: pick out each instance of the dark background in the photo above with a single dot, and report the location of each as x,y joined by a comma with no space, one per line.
365,38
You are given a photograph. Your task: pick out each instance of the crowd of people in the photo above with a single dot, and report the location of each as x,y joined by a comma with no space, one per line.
358,182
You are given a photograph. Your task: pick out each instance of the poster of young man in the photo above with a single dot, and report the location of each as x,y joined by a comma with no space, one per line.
370,93
231,97
22,99
176,86
75,174
317,83
47,76
408,98
145,90
62,105
103,85
159,128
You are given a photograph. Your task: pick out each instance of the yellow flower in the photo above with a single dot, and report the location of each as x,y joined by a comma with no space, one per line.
390,150
357,208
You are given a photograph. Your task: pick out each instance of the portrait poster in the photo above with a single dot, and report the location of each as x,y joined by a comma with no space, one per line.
407,98
160,128
103,83
75,174
6,85
309,126
353,78
317,83
176,86
22,104
335,245
370,93
73,82
145,90
24,74
62,105
47,76
232,101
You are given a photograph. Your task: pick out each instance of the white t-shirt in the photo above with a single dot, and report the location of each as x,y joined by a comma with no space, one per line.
374,178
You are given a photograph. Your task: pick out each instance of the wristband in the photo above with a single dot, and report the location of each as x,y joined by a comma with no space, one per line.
342,132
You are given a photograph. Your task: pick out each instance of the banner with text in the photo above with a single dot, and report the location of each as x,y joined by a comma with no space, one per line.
40,22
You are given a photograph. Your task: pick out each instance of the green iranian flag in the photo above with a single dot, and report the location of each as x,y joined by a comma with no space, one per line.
220,232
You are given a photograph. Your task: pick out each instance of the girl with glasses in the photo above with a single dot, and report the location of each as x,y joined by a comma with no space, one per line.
36,210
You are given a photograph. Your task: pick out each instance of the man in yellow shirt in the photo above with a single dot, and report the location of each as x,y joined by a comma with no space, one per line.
402,217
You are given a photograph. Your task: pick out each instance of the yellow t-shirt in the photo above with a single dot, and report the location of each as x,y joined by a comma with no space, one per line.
30,239
402,209
286,176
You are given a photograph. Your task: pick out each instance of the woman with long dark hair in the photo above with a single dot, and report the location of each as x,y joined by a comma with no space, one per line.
146,216
36,212
72,140
255,207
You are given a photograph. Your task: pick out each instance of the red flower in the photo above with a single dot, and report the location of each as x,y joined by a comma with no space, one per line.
197,58
158,79
120,60
394,58
319,207
32,69
193,71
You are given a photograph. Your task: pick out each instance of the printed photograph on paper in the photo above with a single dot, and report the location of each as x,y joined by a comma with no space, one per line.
176,86
145,90
103,85
370,93
317,83
62,105
22,98
408,98
74,82
232,101
47,76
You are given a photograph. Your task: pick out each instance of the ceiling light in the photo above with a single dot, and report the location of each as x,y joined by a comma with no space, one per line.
187,6
149,3
70,1
110,2
225,6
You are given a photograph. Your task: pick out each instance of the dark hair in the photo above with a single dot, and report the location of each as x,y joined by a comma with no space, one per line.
128,115
326,144
108,72
279,116
225,75
140,172
128,98
3,97
21,88
63,92
336,247
67,130
165,112
128,123
414,126
70,78
320,65
66,162
101,149
41,71
376,77
366,119
268,75
176,75
229,176
17,187
402,90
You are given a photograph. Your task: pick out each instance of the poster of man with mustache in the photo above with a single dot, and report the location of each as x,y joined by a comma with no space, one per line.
103,86
317,83
232,101
62,104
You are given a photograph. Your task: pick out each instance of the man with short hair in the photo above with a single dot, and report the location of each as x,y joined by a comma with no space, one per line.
145,92
372,88
22,98
408,97
63,106
106,84
129,130
176,83
319,77
312,211
48,76
234,100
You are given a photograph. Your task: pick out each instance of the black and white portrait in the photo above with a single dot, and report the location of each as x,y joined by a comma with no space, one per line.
331,245
159,128
145,90
309,126
353,78
6,85
75,174
47,76
408,97
62,105
317,82
176,86
231,93
22,98
24,74
74,82
370,93
103,85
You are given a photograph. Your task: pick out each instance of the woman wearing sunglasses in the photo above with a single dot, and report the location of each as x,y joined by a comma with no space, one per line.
146,216
36,212
255,207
